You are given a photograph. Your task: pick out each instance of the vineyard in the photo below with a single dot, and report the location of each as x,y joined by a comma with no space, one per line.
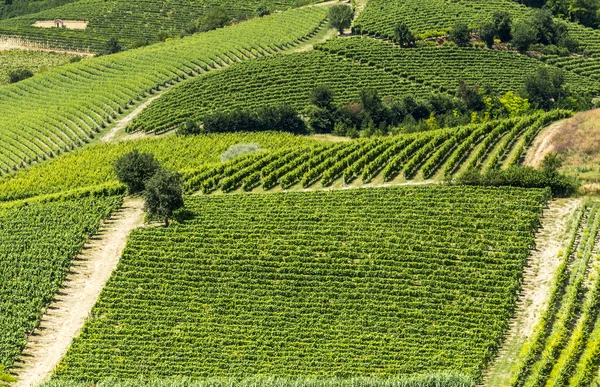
35,61
66,108
282,79
441,68
94,165
132,22
566,346
422,156
340,283
346,66
38,242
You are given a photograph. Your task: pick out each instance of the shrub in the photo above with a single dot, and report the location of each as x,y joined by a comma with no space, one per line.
239,150
112,46
270,118
460,34
19,75
216,17
163,194
523,36
503,25
340,17
545,88
134,169
403,35
487,33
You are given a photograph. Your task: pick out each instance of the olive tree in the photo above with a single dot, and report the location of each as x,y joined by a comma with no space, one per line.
340,17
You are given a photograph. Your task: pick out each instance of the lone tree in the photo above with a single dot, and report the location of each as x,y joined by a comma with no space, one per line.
523,36
503,23
112,46
487,33
163,194
340,17
134,169
403,36
460,34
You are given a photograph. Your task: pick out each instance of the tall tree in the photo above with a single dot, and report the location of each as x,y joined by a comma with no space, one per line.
134,169
403,35
340,17
163,194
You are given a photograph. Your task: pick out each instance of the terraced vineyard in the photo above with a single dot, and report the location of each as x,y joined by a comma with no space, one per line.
35,61
38,242
132,22
346,66
281,79
428,155
64,109
94,165
566,346
441,68
321,283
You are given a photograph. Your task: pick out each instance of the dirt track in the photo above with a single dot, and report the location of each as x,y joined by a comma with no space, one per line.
66,315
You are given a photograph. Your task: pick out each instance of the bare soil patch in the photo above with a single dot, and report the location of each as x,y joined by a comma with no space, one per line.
66,315
68,24
14,44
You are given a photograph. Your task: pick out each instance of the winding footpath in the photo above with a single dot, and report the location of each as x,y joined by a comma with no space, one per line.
67,313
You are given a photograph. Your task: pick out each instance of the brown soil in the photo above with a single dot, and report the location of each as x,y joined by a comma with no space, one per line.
12,44
66,315
69,24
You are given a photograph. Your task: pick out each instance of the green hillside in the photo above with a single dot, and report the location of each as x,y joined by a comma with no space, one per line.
34,61
38,243
62,110
132,22
357,282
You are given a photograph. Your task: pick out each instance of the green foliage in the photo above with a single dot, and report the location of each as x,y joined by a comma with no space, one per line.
19,75
94,164
523,36
216,17
263,10
238,150
6,378
545,88
282,118
403,36
460,34
37,243
65,108
525,177
487,33
514,104
163,194
243,279
112,46
502,21
134,169
427,380
14,61
340,17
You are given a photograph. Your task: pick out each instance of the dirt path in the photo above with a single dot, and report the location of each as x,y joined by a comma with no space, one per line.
124,121
538,277
68,312
543,144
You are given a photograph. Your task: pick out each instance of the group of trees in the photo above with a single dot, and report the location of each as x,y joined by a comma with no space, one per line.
18,75
526,177
269,118
585,12
161,187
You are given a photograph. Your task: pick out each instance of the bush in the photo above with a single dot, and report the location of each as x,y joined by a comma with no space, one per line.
19,75
112,46
238,150
262,10
270,118
460,34
487,33
163,194
525,177
134,169
503,25
545,88
216,17
523,36
403,36
340,17
189,128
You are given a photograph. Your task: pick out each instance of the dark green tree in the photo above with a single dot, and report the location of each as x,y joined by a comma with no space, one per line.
112,46
19,75
460,34
403,36
487,33
523,36
163,194
216,17
340,17
262,10
134,169
545,88
471,96
503,23
322,112
190,128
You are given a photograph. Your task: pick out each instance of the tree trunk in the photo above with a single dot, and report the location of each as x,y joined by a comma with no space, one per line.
166,221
